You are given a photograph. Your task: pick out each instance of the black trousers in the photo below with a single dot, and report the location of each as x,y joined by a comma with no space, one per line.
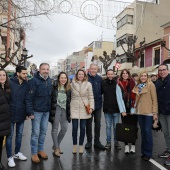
97,124
1,143
130,120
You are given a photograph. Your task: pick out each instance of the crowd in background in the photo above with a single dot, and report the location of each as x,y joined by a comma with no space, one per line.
134,98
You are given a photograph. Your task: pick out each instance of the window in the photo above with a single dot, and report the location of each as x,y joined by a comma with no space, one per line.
142,60
157,56
123,38
4,40
98,44
127,19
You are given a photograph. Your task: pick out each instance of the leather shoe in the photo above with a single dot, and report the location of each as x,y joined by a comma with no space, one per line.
43,155
35,158
99,146
88,145
146,158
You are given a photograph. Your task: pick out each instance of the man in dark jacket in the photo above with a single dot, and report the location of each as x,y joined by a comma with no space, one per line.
18,86
113,105
96,81
163,93
38,104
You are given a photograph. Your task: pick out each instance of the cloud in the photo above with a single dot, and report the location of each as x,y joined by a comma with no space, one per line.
53,39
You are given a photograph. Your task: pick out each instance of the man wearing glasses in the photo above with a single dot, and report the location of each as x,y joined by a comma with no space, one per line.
163,92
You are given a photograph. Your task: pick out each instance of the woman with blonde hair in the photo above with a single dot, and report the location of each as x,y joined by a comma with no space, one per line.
147,109
81,96
60,110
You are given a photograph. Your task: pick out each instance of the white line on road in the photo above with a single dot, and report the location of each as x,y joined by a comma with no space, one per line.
157,164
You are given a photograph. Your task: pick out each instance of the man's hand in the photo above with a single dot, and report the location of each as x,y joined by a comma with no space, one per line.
31,117
155,117
124,114
91,110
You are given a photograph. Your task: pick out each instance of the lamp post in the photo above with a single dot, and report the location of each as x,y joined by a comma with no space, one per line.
25,54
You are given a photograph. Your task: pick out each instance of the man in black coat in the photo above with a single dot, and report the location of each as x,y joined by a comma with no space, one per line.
96,81
163,93
18,86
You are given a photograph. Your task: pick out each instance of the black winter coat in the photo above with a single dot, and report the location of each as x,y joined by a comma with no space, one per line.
163,93
54,103
17,99
110,104
38,97
5,121
97,89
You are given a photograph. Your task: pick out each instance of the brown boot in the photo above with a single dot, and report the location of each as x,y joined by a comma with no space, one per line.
81,150
74,149
35,158
57,152
42,154
61,152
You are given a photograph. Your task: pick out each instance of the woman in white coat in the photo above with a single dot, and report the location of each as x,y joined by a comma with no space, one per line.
81,95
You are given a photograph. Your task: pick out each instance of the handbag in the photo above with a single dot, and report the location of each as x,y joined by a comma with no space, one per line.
126,133
87,107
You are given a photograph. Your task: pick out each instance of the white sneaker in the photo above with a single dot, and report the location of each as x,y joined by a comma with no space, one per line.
11,162
126,148
132,150
20,156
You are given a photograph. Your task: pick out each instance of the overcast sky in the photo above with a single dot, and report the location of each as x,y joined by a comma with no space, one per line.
62,35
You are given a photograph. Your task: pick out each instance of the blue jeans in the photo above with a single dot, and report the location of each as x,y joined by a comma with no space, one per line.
75,130
111,118
39,128
18,138
145,123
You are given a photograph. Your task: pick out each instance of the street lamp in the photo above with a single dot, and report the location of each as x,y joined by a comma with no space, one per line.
24,54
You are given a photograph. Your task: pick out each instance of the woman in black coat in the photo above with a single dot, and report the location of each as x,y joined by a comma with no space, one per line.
60,110
5,122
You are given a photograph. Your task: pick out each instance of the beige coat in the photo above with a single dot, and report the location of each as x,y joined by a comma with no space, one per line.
147,103
78,110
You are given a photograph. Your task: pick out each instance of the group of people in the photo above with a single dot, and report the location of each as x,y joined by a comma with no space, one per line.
42,99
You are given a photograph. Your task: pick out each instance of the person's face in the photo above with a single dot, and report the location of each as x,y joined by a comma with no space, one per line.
22,75
2,77
136,78
163,72
93,70
44,70
80,75
153,78
143,78
63,79
110,75
125,75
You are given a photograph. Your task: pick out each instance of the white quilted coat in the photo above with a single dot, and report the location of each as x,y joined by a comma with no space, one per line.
77,107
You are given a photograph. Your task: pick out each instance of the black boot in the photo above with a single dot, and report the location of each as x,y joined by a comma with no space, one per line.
2,167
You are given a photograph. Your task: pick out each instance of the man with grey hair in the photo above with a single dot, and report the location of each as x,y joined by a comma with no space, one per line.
38,105
163,93
96,81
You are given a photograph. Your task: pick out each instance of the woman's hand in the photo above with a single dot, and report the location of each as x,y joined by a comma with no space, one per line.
124,114
155,117
91,110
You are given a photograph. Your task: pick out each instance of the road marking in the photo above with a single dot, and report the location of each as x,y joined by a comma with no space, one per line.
157,164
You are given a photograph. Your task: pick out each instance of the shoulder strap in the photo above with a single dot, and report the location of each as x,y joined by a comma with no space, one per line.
79,93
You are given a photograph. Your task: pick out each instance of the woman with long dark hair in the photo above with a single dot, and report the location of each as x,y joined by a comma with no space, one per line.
5,122
127,84
60,111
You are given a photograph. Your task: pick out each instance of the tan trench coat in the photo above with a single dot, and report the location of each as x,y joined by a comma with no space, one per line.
147,103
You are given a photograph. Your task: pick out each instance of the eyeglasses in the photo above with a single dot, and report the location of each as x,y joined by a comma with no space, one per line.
162,70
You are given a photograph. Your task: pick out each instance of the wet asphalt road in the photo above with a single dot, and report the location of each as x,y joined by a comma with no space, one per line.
92,159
